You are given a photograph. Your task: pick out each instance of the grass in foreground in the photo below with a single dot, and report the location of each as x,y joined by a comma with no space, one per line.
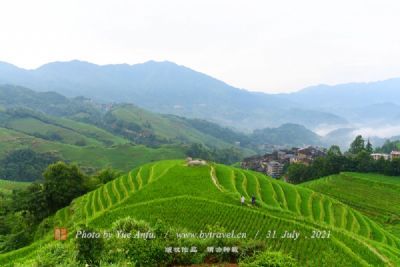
7,187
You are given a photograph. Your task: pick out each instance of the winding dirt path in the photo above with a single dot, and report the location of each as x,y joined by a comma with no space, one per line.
215,179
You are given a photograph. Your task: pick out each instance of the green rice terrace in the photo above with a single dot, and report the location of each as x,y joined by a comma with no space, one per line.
6,186
376,196
191,197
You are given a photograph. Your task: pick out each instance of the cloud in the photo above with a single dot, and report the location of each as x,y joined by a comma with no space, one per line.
382,131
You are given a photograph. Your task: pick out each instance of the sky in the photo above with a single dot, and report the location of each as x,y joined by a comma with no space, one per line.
258,45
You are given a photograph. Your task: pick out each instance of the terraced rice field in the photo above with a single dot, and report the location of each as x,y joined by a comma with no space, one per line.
193,197
273,198
376,196
6,186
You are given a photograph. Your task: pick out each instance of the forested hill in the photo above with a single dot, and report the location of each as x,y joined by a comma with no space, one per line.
23,106
287,134
50,103
20,105
53,127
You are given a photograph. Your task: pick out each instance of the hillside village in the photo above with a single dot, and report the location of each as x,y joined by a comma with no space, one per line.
274,164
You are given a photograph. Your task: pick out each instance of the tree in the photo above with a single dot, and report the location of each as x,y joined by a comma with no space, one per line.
198,151
62,184
106,175
318,168
226,155
357,145
364,162
32,202
334,150
389,146
380,165
89,250
393,167
298,173
368,147
25,165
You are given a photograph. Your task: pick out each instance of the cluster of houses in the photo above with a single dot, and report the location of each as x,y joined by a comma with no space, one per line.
391,156
273,163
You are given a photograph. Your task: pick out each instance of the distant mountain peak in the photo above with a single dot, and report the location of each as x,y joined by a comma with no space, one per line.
162,62
7,66
56,65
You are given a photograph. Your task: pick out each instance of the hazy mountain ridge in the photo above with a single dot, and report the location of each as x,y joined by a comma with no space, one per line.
287,134
50,103
349,94
50,115
124,120
166,87
373,102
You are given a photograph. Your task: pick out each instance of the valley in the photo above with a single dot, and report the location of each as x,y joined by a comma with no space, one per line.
199,133
113,162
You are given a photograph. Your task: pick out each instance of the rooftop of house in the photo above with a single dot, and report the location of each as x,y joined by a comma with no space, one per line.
271,163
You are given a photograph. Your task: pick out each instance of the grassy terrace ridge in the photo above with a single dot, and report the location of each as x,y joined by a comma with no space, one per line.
376,196
164,126
121,156
193,197
68,131
7,186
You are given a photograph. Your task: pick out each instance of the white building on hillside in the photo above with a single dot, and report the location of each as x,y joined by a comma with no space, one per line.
377,156
395,155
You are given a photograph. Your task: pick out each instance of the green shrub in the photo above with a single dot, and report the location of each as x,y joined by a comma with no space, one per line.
89,250
129,224
269,259
81,142
55,254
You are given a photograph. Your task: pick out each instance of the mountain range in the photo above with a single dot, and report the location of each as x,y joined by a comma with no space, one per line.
23,102
120,134
168,88
373,103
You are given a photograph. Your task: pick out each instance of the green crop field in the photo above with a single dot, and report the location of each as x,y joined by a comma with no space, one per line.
169,127
60,129
34,127
193,197
376,196
90,131
94,148
6,187
119,156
